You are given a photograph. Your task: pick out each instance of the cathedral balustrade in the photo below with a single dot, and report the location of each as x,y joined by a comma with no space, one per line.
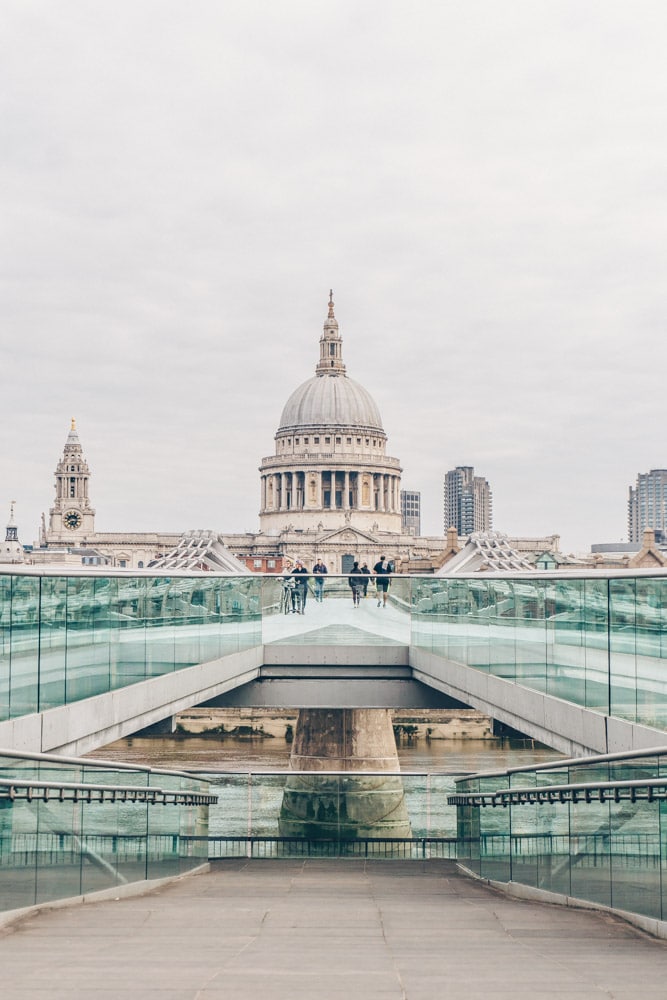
343,457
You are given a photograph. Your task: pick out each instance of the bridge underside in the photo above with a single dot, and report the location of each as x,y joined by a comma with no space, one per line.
337,676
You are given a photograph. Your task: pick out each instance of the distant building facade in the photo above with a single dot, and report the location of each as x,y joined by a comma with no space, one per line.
647,506
467,501
411,516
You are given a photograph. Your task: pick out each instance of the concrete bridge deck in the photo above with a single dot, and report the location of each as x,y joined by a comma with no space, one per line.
328,929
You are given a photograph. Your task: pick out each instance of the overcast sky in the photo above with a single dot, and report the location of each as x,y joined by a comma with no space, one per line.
483,185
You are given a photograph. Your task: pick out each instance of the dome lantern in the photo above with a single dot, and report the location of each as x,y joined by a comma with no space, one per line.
331,345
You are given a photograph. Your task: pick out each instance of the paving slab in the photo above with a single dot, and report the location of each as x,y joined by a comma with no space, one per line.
287,930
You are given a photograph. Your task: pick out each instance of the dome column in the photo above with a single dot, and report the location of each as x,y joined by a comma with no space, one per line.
346,490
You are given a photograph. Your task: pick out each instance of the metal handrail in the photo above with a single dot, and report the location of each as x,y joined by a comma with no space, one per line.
90,762
63,791
550,765
648,789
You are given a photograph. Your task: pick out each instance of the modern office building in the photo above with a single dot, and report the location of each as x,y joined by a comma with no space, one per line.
647,505
468,502
411,518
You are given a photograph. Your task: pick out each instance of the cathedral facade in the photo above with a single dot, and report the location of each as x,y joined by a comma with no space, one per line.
330,491
330,466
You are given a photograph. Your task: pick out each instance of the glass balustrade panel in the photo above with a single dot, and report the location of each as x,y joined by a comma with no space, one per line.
651,639
24,615
6,645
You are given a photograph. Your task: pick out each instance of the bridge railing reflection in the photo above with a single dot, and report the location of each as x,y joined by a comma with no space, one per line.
598,641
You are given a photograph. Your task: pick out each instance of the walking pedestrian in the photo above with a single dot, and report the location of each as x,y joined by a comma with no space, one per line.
356,583
319,572
301,575
382,570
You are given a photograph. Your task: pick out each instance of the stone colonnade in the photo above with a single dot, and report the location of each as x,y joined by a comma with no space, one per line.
331,489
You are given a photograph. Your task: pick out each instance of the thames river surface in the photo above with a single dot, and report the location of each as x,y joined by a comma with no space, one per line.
272,754
250,801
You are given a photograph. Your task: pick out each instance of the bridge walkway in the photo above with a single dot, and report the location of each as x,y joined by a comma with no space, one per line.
326,929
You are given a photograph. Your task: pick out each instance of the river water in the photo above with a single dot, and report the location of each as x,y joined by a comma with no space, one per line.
209,754
250,801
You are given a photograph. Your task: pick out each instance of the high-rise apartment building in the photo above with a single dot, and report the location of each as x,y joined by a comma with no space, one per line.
647,505
468,501
411,517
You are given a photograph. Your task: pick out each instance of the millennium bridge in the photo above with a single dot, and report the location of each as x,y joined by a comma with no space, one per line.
578,662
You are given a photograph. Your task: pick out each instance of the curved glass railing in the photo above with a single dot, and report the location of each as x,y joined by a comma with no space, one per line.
249,817
71,826
590,828
599,641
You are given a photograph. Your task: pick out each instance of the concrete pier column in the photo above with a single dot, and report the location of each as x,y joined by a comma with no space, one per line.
345,806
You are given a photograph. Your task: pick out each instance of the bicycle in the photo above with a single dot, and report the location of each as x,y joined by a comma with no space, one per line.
287,600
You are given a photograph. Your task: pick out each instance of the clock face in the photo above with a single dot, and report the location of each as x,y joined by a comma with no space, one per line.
72,520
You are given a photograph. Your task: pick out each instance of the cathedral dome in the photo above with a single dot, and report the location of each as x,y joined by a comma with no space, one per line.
330,401
330,466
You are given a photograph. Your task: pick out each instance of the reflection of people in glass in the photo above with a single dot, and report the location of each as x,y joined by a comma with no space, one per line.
382,570
300,575
319,571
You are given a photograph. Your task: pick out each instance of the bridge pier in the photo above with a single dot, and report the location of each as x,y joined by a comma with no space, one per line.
344,806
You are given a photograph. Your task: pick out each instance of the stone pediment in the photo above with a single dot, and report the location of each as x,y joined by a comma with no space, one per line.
347,535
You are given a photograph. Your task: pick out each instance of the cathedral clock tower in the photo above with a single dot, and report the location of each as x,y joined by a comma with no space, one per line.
71,519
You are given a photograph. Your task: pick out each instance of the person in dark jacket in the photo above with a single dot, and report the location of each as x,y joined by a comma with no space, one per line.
300,575
319,572
382,570
356,583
